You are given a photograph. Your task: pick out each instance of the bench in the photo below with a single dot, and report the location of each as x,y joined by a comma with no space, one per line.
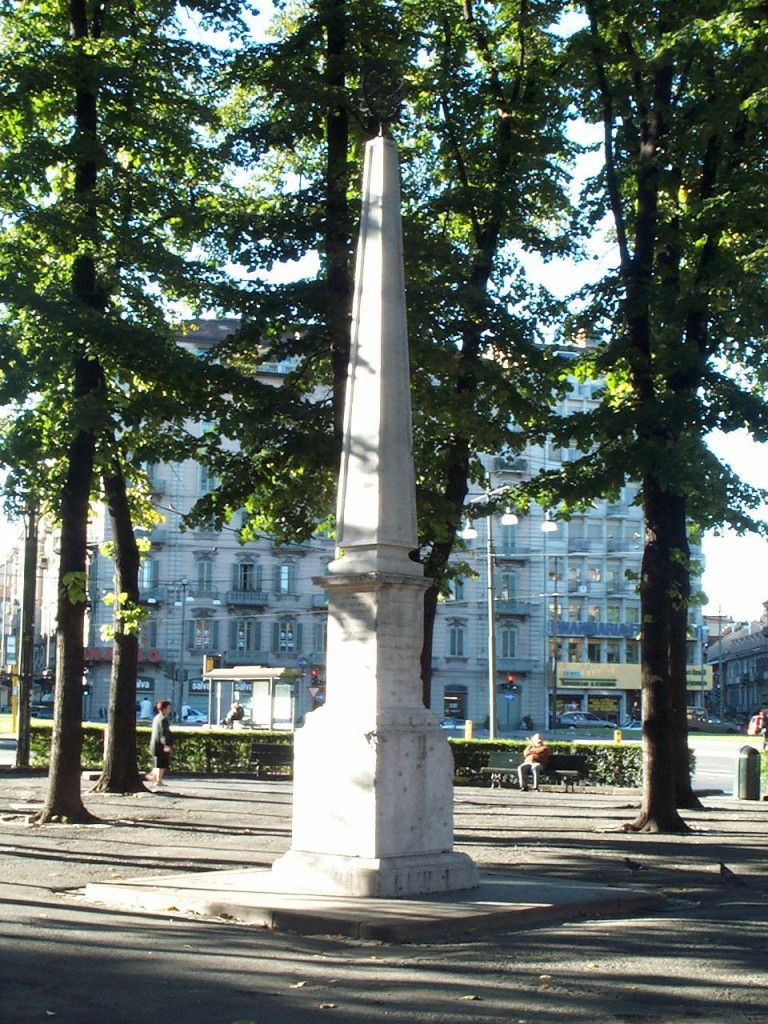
566,768
264,756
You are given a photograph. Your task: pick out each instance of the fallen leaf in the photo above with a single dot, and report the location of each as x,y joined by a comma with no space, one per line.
470,997
299,984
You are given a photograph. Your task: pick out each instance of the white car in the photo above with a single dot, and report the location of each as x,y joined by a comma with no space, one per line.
194,717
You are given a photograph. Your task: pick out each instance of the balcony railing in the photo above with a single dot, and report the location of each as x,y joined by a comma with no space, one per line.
248,598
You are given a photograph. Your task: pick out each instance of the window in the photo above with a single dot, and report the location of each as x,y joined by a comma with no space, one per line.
246,635
285,578
613,575
574,611
507,638
632,652
594,573
457,636
148,634
574,650
456,590
613,651
320,634
203,634
508,586
507,539
613,612
247,577
148,574
593,613
204,581
287,636
206,481
593,651
632,613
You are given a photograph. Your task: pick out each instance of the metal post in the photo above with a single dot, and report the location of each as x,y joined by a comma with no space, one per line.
720,678
553,653
177,710
27,638
491,633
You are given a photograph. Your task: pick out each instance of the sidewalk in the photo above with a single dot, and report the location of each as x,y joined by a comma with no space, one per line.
544,857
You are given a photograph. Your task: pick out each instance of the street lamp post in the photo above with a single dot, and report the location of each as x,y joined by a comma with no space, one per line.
470,533
183,583
547,527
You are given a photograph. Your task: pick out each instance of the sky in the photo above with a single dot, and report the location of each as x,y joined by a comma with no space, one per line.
736,574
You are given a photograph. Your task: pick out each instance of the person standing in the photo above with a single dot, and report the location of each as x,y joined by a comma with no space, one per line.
535,757
160,741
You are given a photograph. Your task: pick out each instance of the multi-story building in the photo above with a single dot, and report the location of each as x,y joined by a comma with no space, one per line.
559,610
738,657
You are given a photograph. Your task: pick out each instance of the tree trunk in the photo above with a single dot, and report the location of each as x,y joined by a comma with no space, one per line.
338,247
120,774
658,812
678,656
63,800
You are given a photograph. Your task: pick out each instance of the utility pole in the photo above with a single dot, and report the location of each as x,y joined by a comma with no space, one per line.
27,638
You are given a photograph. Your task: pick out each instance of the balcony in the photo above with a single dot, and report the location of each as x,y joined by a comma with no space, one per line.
247,599
236,657
152,595
513,464
512,607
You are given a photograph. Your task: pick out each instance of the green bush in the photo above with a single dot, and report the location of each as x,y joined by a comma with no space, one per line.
613,764
208,752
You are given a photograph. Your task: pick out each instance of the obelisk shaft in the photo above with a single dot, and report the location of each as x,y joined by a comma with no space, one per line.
376,514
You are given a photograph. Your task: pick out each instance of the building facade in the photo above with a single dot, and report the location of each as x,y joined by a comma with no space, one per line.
558,611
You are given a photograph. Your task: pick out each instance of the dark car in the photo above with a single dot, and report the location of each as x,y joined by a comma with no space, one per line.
583,720
41,711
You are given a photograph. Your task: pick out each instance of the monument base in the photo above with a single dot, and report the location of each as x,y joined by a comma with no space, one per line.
336,875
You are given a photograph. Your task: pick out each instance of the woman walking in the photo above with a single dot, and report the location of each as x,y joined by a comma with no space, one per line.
160,741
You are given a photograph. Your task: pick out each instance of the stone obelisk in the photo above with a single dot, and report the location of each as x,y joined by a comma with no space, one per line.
373,772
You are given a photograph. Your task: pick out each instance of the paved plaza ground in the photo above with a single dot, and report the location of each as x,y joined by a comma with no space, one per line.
700,958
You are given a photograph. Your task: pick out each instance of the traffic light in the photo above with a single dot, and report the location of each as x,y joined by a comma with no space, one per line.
314,674
511,686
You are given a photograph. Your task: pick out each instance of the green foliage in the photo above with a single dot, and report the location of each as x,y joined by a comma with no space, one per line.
613,764
128,619
76,586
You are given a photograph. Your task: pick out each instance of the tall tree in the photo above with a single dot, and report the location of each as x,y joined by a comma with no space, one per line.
115,193
484,168
680,93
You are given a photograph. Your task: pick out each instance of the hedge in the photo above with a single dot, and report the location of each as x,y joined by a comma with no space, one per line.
221,751
612,764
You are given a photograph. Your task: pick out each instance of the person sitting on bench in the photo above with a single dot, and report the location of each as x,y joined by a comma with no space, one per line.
535,757
235,714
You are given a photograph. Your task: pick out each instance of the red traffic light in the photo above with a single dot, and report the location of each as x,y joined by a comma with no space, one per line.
314,673
511,677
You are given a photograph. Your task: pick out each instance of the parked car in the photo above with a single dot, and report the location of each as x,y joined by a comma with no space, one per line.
194,717
583,720
41,711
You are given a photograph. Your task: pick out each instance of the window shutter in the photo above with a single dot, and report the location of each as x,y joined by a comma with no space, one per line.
276,636
215,634
297,636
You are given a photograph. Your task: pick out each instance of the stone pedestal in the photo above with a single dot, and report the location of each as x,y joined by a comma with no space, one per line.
373,789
